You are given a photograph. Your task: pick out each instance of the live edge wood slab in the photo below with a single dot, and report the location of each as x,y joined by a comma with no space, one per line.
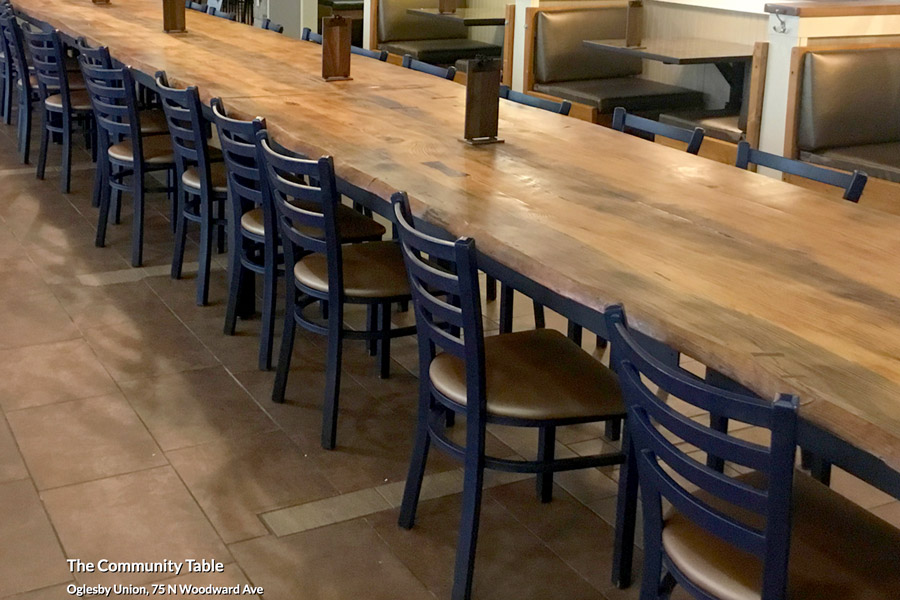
774,285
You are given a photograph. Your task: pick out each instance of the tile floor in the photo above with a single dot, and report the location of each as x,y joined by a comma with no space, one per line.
132,429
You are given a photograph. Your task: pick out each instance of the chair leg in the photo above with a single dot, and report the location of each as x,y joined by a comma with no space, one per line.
45,141
384,345
539,321
471,512
180,236
506,308
626,518
287,348
820,470
99,178
332,376
613,429
65,173
7,99
103,218
117,202
25,130
490,288
546,447
417,461
137,219
575,332
220,230
205,255
372,325
267,327
236,272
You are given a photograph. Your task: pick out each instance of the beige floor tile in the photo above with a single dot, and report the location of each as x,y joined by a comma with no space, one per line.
144,348
20,277
237,479
857,490
342,561
328,511
12,467
195,407
232,576
91,438
55,592
98,306
138,517
34,319
30,556
53,372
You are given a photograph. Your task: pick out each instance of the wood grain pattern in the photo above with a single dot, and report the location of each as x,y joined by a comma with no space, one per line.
838,8
757,92
770,283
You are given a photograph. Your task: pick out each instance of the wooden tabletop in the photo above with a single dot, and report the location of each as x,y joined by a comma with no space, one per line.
772,284
680,51
470,17
836,8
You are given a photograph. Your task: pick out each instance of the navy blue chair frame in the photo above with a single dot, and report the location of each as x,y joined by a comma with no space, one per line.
188,130
96,57
198,6
381,55
48,59
417,65
308,35
283,180
853,183
650,449
6,74
693,138
114,100
560,108
444,280
229,16
25,93
270,25
249,253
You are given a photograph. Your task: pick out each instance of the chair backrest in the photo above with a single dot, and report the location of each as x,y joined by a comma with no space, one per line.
48,60
95,57
187,128
198,6
693,138
561,108
113,99
417,65
6,60
443,277
853,183
272,26
868,75
559,51
304,193
395,23
308,35
381,55
752,515
216,12
12,34
244,175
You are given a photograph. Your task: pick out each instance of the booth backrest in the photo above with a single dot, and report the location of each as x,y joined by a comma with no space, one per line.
560,55
395,24
849,98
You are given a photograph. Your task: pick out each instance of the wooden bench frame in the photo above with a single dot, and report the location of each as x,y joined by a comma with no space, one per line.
879,193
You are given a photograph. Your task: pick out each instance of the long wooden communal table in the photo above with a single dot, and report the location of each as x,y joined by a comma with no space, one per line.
773,285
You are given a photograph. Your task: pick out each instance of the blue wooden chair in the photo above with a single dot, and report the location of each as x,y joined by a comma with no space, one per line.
62,107
270,25
504,379
24,82
417,65
623,121
6,74
853,183
381,55
319,267
129,153
218,12
757,535
561,108
308,35
202,185
198,6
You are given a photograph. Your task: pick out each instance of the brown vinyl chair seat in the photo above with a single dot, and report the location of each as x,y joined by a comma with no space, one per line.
838,550
719,124
632,93
442,52
217,173
153,121
535,375
877,160
79,99
371,270
157,150
353,226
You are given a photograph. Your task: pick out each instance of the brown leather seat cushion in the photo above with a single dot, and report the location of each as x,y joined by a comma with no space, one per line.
371,270
395,22
353,226
442,52
217,173
153,121
157,150
535,375
79,100
718,124
632,93
877,160
838,550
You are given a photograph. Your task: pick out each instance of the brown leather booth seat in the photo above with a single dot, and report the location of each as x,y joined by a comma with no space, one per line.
566,68
719,124
849,110
433,41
